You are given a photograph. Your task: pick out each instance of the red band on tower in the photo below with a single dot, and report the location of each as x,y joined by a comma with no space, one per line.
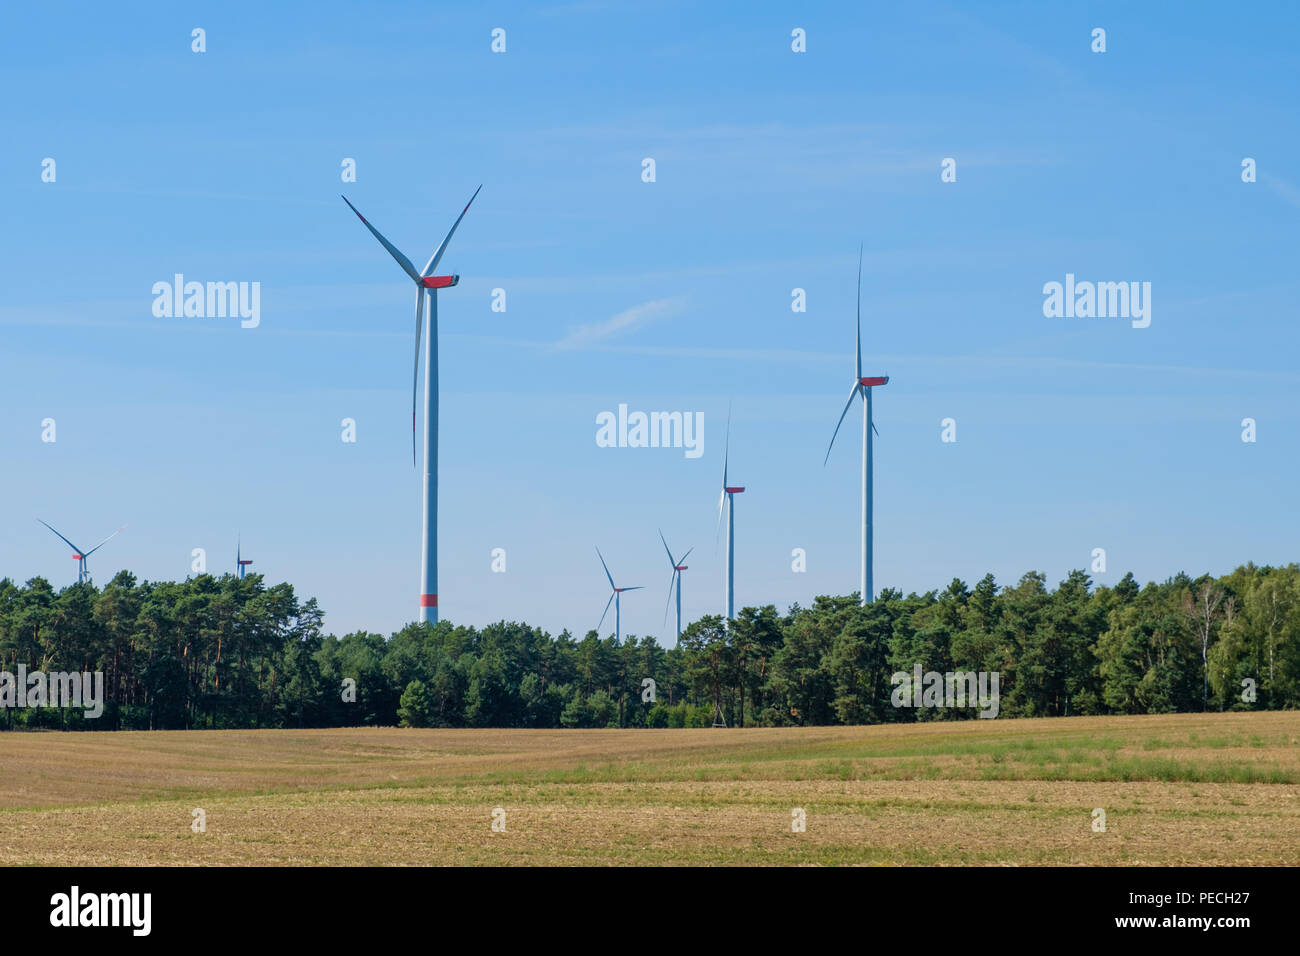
428,600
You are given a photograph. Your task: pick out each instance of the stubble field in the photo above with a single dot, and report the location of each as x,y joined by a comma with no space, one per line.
1179,789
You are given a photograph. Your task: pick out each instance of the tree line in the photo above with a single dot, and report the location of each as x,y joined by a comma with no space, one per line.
224,652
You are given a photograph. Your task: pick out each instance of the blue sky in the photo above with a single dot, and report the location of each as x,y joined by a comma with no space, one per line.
771,168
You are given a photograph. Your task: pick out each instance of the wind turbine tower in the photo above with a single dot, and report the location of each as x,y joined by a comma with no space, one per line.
678,568
728,498
80,555
426,285
862,386
240,561
613,599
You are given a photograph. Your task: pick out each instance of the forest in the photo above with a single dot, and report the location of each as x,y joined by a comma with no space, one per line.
224,652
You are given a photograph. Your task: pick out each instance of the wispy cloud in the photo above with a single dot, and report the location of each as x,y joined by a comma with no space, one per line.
635,317
1282,188
1032,363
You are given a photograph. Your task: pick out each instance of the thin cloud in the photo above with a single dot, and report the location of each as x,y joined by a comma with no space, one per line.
1034,363
635,317
1282,188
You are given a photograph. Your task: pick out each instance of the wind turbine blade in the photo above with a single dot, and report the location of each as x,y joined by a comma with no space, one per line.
415,378
437,255
393,251
65,540
726,448
670,554
669,602
606,567
104,542
726,456
852,394
875,429
639,587
857,369
606,611
685,556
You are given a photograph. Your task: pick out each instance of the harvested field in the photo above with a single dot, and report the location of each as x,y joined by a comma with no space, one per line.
1178,789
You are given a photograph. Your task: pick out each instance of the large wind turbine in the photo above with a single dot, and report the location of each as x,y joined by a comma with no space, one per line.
426,284
240,561
678,568
727,498
613,599
862,386
81,556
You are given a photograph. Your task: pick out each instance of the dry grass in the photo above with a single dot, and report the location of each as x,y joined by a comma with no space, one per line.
1187,789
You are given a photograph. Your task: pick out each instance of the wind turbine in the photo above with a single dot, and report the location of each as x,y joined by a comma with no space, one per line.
426,284
678,568
728,498
239,560
613,599
862,386
81,556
